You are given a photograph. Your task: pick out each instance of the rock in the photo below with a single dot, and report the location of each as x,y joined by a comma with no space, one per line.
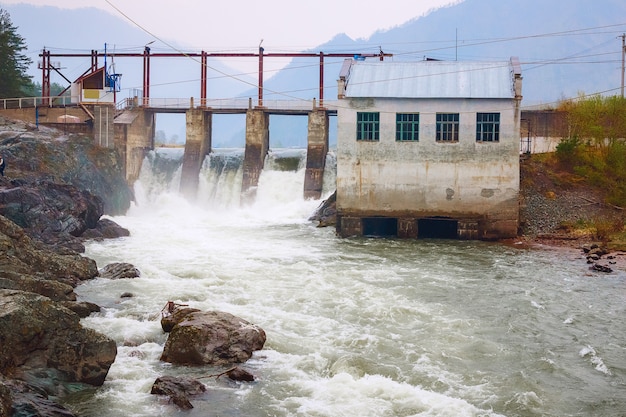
39,333
6,402
119,270
326,213
173,313
601,268
178,389
212,338
75,160
83,308
21,258
51,212
28,400
54,290
105,229
238,374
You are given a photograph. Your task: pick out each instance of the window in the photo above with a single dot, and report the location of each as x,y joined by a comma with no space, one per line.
367,126
407,126
447,127
487,127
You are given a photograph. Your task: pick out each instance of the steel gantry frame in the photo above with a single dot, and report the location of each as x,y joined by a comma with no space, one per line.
147,55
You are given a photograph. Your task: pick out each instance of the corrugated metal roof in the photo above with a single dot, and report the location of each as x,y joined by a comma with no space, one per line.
431,79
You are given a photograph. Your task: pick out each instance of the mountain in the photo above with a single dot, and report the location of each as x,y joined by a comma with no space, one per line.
565,47
67,31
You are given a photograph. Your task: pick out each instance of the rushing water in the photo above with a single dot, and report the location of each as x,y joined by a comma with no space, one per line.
355,327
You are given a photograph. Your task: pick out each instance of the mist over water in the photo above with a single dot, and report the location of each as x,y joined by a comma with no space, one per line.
355,327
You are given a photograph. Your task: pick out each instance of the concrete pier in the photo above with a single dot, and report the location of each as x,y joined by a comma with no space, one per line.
197,146
134,137
257,146
317,148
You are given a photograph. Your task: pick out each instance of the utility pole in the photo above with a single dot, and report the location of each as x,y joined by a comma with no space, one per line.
623,56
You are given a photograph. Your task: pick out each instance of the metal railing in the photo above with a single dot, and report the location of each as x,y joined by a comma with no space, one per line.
220,104
169,103
30,102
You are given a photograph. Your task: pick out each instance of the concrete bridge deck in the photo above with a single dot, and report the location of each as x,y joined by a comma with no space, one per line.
230,105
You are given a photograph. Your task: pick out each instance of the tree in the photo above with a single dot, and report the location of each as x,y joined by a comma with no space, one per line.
34,90
13,63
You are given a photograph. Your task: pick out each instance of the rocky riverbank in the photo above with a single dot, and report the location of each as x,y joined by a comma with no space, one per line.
54,193
53,197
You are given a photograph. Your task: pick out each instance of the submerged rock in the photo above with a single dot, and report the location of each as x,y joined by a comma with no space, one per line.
212,338
238,374
28,400
178,389
119,270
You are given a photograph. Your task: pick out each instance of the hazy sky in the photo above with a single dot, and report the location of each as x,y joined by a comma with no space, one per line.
282,24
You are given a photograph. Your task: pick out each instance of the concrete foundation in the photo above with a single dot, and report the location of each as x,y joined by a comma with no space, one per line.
257,146
463,228
197,146
317,148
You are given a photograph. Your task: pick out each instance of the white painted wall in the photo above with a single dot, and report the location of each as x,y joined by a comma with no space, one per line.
428,177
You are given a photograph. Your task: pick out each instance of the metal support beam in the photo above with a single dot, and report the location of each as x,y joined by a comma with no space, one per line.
322,79
146,76
45,79
203,80
147,55
261,75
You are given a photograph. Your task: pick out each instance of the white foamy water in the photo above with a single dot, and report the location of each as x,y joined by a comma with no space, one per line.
355,327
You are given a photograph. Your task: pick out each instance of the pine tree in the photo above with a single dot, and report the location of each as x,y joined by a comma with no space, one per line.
13,63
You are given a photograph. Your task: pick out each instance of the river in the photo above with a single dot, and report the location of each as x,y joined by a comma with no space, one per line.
355,327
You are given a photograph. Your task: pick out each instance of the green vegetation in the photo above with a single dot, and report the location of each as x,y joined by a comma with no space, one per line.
596,146
14,81
595,153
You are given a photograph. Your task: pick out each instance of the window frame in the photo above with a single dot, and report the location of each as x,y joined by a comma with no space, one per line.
407,127
488,127
447,131
368,126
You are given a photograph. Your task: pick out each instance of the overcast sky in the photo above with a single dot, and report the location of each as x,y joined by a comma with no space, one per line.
282,24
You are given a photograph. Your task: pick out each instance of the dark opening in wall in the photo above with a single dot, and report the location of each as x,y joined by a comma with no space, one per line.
380,226
437,228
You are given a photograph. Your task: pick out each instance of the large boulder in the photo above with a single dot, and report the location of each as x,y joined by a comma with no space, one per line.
36,332
53,213
26,264
212,338
41,153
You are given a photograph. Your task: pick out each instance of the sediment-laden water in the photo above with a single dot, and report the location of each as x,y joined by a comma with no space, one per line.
355,327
